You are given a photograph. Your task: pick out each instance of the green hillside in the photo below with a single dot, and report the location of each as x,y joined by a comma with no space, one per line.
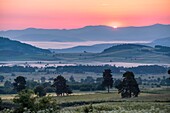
15,50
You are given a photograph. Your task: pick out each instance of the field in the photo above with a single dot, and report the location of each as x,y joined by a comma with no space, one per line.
149,101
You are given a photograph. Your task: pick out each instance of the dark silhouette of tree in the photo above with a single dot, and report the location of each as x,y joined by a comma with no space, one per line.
117,83
129,86
40,91
68,90
60,85
107,79
43,79
19,83
1,78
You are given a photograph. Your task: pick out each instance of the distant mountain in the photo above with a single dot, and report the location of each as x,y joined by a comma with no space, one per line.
10,49
97,48
162,41
91,33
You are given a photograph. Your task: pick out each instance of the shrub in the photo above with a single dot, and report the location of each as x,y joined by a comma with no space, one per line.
25,99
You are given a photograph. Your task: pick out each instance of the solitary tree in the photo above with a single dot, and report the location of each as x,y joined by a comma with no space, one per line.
60,85
107,79
19,83
129,86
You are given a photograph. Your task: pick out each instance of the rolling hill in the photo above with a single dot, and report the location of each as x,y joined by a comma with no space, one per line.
162,41
135,53
97,48
12,50
91,33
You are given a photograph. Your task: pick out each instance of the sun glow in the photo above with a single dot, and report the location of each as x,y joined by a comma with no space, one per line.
115,27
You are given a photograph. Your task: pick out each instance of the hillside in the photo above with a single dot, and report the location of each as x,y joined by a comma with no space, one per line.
80,49
135,53
10,49
91,33
162,41
124,47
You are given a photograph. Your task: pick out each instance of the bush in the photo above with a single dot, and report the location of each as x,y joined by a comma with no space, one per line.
28,102
25,99
88,109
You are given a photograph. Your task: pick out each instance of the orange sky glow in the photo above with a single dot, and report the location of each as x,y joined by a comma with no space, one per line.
20,14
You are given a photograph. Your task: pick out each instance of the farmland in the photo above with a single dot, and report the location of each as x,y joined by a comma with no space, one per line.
151,101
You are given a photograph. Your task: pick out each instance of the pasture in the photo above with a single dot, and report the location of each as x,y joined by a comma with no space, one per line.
150,101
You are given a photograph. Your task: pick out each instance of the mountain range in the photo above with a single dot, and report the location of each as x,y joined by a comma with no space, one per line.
91,33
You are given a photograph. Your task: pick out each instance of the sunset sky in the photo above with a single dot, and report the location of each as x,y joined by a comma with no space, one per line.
20,14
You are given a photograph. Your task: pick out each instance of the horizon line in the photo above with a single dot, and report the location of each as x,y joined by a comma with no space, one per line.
84,27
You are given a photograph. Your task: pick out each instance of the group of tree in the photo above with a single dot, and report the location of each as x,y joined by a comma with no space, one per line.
128,87
16,68
148,69
60,85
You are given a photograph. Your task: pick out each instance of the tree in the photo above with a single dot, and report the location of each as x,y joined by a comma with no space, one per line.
40,91
43,79
129,86
26,100
60,85
107,79
1,78
19,83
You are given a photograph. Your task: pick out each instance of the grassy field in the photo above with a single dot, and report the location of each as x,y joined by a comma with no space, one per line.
149,101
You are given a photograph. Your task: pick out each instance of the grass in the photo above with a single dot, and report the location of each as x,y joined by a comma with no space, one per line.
149,101
121,107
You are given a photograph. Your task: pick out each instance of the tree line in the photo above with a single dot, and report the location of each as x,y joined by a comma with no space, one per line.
148,69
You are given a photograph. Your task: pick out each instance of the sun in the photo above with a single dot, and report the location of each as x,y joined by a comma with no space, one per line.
115,27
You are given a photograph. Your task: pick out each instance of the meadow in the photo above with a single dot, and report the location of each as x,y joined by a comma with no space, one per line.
149,101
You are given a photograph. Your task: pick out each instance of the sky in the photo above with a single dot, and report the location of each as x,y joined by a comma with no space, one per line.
69,14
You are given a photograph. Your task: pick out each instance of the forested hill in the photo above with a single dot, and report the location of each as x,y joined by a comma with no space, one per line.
10,49
125,47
